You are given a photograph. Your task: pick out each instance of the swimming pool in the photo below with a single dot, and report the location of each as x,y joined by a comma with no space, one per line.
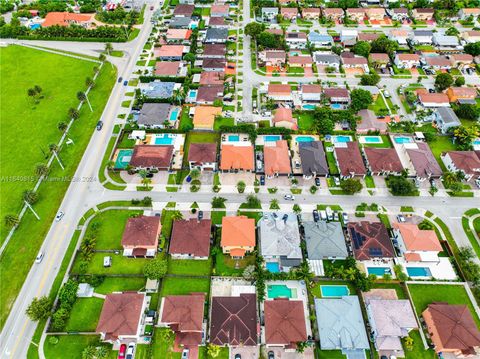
163,139
476,142
233,138
403,139
308,107
123,159
334,291
192,95
304,139
174,114
379,271
371,139
271,138
341,139
35,26
280,291
273,267
336,106
419,272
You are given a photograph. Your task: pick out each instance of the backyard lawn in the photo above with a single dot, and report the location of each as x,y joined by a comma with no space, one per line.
162,349
71,344
181,286
120,265
85,314
120,284
379,106
418,351
226,266
217,216
329,354
111,225
222,121
305,120
190,266
29,129
424,294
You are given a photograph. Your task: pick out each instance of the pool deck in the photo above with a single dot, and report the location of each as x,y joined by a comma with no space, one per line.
243,139
441,270
296,152
260,141
402,153
376,263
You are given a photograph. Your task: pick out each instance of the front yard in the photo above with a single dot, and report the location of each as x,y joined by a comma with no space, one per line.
84,315
71,344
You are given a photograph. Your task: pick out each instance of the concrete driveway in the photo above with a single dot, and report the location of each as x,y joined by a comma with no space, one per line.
245,352
231,179
280,353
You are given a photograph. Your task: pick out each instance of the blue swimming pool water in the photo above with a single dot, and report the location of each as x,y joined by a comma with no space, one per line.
341,139
272,138
402,140
279,291
123,159
304,139
372,139
174,115
273,267
419,272
379,271
308,107
34,26
336,106
193,26
163,139
334,291
192,94
233,138
476,142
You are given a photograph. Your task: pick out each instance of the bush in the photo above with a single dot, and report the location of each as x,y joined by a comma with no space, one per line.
53,340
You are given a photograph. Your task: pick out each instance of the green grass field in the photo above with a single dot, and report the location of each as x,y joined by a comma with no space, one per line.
120,284
181,286
73,345
189,266
84,315
60,77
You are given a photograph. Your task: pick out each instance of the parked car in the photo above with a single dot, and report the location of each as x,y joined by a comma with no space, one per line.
238,356
125,83
122,351
317,181
120,79
185,353
477,182
151,8
59,216
130,350
401,218
200,215
289,197
336,180
39,257
99,125
316,217
271,355
262,180
345,217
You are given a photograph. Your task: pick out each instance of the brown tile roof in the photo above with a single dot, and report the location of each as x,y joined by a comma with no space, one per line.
423,161
212,78
356,10
275,54
336,92
350,159
452,327
332,11
462,57
219,8
379,57
311,10
438,61
169,51
463,92
467,161
209,93
238,231
354,61
216,21
277,158
121,313
279,89
302,60
233,320
202,152
184,313
408,57
191,237
383,159
284,322
141,231
65,19
184,9
215,50
236,157
275,31
204,116
152,156
370,240
433,98
167,68
311,88
283,114
368,36
290,11
296,35
214,63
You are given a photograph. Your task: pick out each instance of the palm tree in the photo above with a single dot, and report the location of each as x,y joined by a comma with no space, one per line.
31,93
218,202
82,96
37,89
253,201
89,352
449,178
194,174
30,196
102,57
62,126
274,204
108,48
213,350
73,113
41,169
110,165
177,216
101,352
89,82
178,96
241,186
296,209
53,147
146,182
11,220
96,69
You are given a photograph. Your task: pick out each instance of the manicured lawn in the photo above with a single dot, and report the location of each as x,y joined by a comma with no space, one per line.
332,164
418,351
167,223
71,344
224,353
470,235
369,182
189,266
29,131
84,315
217,216
424,294
379,106
180,286
439,145
120,265
120,284
385,144
305,121
111,225
329,354
296,70
398,288
222,121
226,266
163,349
186,122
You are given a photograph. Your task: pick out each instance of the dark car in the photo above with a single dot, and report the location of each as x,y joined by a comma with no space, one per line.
200,215
238,356
125,83
316,217
271,355
120,79
317,181
149,175
262,180
122,351
99,125
431,90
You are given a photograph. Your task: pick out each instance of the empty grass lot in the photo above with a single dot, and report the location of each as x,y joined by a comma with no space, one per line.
71,344
85,314
120,265
120,284
190,266
181,286
28,131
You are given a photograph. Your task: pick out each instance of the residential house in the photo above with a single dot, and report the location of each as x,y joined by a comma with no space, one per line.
368,36
334,14
304,61
379,60
152,157
289,13
212,78
461,60
452,329
311,13
375,13
422,37
237,158
356,14
407,61
285,323
269,14
204,117
423,14
234,320
279,239
181,22
215,51
296,40
370,123
183,10
356,62
190,239
214,64
280,92
341,326
67,19
398,14
349,160
311,93
348,37
313,160
169,52
183,314
318,40
462,93
154,115
382,161
374,91
283,118
469,13
370,240
424,162
277,159
325,240
140,236
216,35
178,35
445,118
337,95
415,244
238,235
327,60
207,94
203,156
438,62
170,68
468,162
273,57
433,100
217,21
399,36
159,90
121,317
444,41
219,10
471,36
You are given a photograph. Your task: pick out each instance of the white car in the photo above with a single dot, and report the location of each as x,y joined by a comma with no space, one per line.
130,350
185,354
39,257
59,216
289,197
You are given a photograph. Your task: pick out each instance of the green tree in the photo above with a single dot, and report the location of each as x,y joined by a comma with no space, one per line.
253,201
30,196
360,99
189,57
89,352
11,220
68,293
39,308
62,126
155,269
274,204
241,186
452,31
370,79
466,111
73,113
472,48
408,341
89,82
465,135
176,216
301,346
400,186
218,202
194,174
254,29
456,187
213,350
296,209
460,81
362,48
351,186
41,169
108,48
443,81
59,319
313,189
383,45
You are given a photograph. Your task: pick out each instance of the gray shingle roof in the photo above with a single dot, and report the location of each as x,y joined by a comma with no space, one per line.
325,240
215,33
154,114
158,89
313,158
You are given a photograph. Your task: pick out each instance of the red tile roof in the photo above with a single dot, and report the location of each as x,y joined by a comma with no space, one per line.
277,159
433,98
212,78
284,322
65,19
214,50
370,240
424,161
141,231
416,239
202,152
350,159
184,9
467,161
152,156
167,68
191,237
383,159
237,157
336,92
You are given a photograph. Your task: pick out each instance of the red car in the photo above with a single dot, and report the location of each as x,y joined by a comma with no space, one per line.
122,351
